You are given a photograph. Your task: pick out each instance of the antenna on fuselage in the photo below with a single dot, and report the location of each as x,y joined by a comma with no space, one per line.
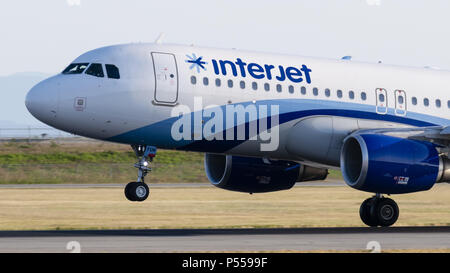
160,38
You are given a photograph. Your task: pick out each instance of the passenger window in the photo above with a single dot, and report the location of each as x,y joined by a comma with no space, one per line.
448,103
267,87
254,86
193,80
112,71
279,88
339,93
230,83
363,95
414,100
291,89
303,90
438,103
351,95
242,84
426,102
315,91
77,68
218,83
327,92
205,81
95,70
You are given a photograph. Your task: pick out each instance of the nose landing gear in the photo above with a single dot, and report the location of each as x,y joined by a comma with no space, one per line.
379,211
139,191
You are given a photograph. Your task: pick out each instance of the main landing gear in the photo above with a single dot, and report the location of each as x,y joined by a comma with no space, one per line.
139,191
379,211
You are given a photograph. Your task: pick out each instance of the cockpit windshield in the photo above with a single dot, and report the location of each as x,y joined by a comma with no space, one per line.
75,68
112,71
95,70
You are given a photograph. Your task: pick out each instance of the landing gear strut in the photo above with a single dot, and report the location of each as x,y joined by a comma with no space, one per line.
139,191
379,211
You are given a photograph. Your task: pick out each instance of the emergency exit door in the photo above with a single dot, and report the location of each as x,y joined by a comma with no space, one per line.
381,101
166,78
400,102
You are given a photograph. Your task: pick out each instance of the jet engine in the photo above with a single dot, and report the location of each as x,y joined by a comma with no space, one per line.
392,165
254,175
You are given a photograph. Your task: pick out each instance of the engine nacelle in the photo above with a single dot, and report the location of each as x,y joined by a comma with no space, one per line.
253,175
391,165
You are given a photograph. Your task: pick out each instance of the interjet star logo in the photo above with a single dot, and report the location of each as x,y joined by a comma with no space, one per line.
196,62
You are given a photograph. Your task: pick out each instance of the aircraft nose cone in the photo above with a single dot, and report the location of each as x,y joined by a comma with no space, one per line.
42,101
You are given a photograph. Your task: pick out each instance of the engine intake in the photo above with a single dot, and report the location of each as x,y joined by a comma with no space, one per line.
254,175
391,165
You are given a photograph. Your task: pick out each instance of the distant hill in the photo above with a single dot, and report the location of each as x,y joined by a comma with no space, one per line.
13,89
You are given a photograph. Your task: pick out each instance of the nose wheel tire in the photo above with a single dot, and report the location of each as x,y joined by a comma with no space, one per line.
136,191
139,191
379,212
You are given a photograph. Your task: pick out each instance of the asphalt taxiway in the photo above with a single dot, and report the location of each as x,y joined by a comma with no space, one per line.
218,240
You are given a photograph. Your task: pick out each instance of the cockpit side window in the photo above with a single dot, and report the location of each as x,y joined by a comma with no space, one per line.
112,71
75,68
96,70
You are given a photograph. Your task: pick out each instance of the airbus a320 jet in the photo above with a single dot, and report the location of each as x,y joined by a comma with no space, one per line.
264,121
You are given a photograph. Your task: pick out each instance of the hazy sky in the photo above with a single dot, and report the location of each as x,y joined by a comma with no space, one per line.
46,35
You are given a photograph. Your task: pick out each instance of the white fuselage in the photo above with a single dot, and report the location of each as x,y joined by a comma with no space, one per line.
319,101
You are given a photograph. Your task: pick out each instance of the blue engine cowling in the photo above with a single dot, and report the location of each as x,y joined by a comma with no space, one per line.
255,175
390,165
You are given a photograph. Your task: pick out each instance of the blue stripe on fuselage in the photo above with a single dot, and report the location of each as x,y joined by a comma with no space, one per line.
159,134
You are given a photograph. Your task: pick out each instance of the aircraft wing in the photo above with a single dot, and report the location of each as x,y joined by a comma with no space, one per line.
439,135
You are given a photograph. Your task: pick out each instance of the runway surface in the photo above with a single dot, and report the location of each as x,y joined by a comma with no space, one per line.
201,240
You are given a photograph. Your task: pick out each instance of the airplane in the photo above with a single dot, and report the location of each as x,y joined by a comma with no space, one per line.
264,121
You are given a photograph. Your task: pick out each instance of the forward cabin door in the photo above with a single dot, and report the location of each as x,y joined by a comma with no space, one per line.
166,78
